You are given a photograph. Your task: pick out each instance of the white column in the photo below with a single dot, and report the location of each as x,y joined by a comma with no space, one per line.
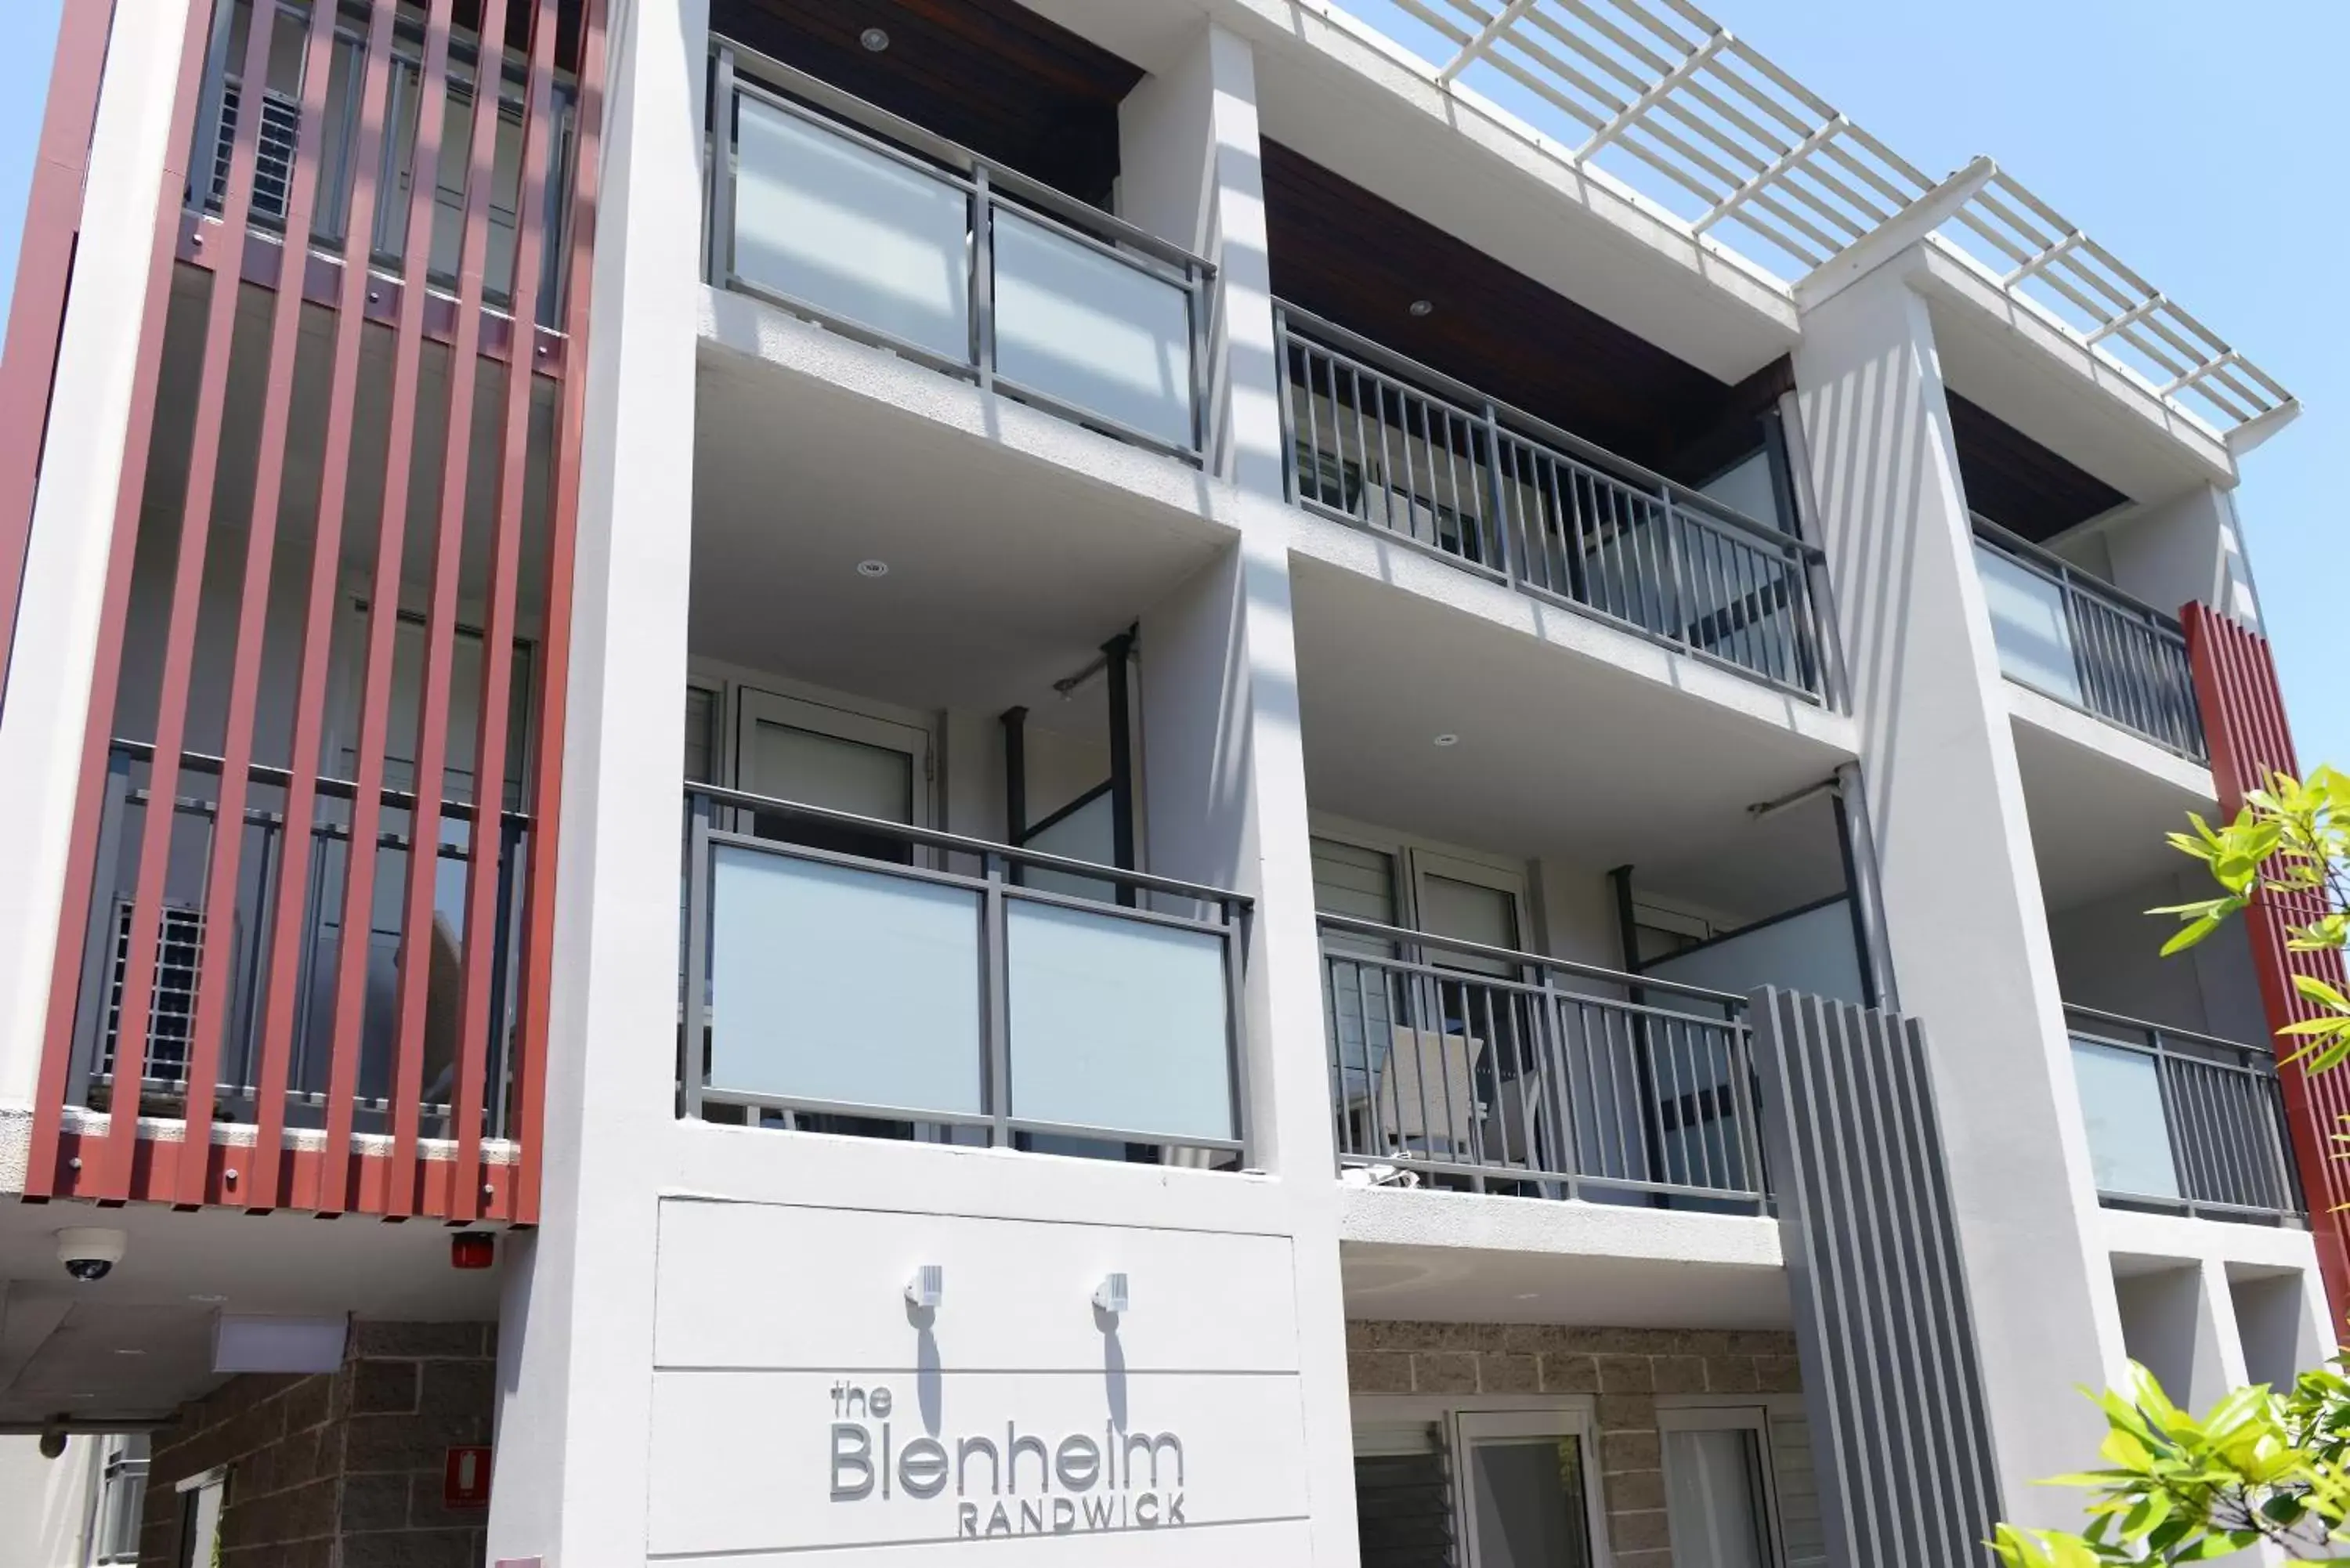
1224,764
575,1336
1191,172
42,725
1967,929
2180,1324
2188,547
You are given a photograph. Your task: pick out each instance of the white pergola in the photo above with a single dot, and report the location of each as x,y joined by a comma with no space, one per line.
1663,92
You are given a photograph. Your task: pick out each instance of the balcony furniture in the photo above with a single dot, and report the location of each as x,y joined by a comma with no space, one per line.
1540,1076
2070,635
1426,1097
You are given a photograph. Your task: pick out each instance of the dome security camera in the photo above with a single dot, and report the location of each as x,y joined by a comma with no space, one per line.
53,1443
90,1254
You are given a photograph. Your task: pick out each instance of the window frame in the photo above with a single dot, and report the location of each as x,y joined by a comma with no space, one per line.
1751,1413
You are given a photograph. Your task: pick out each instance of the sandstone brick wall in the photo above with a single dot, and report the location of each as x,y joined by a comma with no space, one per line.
1623,1368
341,1469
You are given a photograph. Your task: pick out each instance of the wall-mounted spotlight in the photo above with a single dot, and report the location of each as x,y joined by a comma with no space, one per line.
1111,1295
928,1286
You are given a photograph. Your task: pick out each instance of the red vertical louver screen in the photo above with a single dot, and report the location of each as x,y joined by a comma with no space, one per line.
2244,717
307,913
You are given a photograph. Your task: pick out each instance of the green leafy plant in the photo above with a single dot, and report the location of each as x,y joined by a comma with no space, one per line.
2259,1468
2290,840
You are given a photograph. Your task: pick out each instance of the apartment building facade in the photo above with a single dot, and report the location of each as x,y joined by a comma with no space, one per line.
1273,783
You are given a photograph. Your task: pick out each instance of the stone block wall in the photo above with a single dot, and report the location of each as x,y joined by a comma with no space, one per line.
341,1470
1624,1370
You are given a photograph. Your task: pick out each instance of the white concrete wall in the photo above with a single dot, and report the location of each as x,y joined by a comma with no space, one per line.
2190,547
74,512
2108,956
575,1400
1968,935
45,1504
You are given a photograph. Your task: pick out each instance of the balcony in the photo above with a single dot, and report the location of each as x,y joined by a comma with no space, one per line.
1386,445
1460,1066
339,169
2183,1123
867,977
2083,642
837,211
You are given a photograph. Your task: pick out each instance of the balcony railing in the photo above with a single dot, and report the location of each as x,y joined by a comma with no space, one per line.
2066,634
1509,1072
100,1076
837,210
227,99
1385,444
2183,1122
860,976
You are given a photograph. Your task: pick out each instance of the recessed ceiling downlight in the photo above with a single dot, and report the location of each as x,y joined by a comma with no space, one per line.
874,38
1423,307
872,568
1448,740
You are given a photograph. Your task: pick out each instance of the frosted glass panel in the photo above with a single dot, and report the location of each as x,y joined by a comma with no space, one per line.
1089,832
2121,1100
1116,1024
2028,623
1811,953
855,235
1092,331
832,984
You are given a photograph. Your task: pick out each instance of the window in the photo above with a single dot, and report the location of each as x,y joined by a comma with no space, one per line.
1738,1489
273,169
1530,1491
121,1499
1403,1495
172,996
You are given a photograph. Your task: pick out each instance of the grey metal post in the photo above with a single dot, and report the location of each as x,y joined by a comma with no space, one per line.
693,1062
722,172
981,291
995,1004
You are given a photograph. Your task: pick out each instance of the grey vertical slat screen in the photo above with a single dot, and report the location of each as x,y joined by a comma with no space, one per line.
1891,1381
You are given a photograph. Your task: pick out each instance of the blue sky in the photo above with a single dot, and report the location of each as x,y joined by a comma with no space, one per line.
2202,143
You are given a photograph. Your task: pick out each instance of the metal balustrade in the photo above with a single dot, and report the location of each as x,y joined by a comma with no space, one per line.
1509,1072
2068,635
2183,1122
1379,441
865,977
160,1067
831,208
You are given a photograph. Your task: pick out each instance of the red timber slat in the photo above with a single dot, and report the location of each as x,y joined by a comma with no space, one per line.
441,646
428,1185
383,616
44,270
538,942
111,1175
487,840
179,672
2243,718
262,909
290,898
215,974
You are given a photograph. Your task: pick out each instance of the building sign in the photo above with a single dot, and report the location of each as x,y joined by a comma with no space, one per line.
1022,1482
